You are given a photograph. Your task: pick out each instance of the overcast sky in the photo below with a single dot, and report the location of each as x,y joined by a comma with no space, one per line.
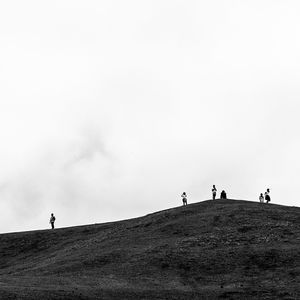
111,109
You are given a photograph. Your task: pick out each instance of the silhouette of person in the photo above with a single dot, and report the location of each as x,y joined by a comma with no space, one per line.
261,198
267,196
52,220
214,192
223,195
184,198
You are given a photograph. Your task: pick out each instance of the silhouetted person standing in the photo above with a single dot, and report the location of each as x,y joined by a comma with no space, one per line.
214,192
52,220
261,198
223,195
184,198
267,196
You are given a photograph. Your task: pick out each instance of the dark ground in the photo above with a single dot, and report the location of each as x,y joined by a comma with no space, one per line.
222,249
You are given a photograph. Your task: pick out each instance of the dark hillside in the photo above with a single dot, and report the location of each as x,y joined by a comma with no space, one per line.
222,249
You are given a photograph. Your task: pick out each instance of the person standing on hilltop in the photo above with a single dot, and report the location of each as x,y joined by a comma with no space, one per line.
267,196
214,192
261,198
184,198
52,220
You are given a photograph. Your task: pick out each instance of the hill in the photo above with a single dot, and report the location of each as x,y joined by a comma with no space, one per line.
222,249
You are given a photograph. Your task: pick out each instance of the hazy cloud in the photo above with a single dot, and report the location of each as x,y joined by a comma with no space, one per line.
112,110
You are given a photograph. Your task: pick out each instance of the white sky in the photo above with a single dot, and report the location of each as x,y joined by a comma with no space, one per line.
111,109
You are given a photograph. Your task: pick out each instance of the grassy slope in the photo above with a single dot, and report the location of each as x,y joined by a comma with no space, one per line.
213,249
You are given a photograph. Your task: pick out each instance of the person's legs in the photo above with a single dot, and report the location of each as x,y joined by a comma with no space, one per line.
52,225
214,196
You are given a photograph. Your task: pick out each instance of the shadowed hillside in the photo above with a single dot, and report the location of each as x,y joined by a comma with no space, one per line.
222,249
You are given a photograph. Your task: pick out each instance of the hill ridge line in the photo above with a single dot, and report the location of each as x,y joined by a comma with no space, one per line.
192,204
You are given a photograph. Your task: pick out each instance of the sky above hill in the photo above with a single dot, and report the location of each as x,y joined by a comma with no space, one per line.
111,109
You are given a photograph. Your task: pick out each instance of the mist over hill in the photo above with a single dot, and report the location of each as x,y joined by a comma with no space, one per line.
224,249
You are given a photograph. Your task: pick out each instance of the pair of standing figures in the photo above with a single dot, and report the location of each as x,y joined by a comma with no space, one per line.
267,197
223,194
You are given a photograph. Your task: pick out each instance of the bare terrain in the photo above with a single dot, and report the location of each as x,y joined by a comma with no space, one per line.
222,249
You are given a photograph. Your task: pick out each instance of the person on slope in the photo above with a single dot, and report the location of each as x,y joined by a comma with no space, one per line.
223,195
184,198
52,220
267,196
261,198
214,192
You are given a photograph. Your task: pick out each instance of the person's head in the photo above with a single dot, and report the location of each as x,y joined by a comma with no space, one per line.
261,194
214,186
268,190
52,214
